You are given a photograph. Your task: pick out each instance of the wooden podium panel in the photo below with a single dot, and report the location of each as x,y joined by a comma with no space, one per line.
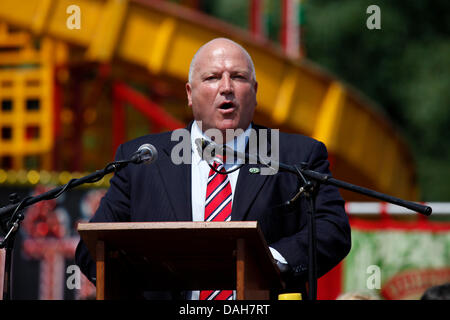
181,256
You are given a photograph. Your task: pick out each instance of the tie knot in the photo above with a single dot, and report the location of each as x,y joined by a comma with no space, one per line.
217,164
220,158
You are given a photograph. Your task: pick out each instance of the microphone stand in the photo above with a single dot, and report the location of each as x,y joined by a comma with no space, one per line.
309,190
310,183
11,215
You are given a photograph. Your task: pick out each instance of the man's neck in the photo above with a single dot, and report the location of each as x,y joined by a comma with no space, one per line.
228,136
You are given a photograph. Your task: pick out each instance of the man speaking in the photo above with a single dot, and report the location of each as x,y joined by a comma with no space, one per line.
221,92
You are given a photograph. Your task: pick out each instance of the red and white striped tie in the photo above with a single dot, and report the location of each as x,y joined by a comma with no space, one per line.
218,206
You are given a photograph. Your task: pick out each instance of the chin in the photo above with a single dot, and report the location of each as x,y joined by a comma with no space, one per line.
228,125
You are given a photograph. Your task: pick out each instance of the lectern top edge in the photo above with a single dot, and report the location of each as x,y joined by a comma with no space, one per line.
166,225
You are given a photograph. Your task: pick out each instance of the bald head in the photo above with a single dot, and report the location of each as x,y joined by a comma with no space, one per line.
222,88
217,43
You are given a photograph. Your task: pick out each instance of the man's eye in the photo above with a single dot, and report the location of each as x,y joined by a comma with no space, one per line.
211,78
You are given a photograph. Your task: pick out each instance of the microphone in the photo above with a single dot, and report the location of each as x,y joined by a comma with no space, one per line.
146,153
202,145
208,149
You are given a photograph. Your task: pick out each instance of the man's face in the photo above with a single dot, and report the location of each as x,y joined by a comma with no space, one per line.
222,91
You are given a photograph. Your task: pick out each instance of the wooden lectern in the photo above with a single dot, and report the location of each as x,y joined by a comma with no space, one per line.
134,257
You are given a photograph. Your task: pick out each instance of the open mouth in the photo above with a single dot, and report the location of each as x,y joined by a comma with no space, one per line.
226,106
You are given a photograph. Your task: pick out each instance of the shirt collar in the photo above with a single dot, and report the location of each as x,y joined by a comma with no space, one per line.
238,143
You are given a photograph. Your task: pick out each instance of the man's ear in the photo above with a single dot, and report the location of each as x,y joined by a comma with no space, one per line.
189,94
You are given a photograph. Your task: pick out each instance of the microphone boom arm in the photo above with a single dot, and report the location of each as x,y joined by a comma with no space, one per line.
327,179
11,216
6,211
309,190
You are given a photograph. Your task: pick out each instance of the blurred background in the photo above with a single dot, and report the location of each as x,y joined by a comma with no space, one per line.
77,78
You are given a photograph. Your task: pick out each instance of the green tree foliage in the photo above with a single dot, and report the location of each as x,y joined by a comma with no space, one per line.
404,67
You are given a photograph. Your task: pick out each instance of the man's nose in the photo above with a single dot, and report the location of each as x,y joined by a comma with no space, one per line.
226,85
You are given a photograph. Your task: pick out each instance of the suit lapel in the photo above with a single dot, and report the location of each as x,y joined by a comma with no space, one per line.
177,182
248,184
247,188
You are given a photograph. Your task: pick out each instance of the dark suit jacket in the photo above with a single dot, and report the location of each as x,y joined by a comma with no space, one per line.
162,192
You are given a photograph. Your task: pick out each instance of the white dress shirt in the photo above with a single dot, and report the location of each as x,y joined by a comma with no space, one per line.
199,178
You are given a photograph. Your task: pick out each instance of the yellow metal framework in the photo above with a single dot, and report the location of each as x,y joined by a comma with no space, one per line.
294,95
26,117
